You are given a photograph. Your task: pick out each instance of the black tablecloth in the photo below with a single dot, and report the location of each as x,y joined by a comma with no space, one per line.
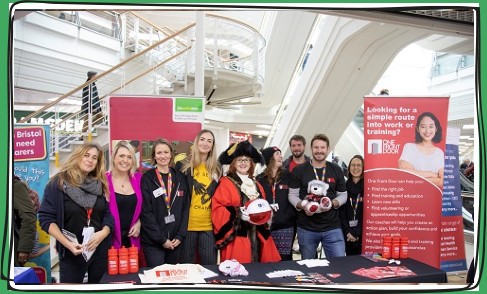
339,271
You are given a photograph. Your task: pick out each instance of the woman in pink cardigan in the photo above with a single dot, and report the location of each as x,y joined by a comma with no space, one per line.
125,196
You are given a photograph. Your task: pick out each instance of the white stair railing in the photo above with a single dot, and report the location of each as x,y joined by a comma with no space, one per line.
132,75
229,45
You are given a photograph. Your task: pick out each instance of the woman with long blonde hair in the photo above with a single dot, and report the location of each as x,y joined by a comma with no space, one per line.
125,196
202,173
75,212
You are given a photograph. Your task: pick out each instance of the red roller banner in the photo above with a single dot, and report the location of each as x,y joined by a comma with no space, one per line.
404,140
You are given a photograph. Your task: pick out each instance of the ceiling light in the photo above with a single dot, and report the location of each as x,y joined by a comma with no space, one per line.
468,127
464,137
267,127
471,138
261,133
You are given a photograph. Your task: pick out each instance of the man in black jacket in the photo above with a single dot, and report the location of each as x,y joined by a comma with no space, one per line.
91,103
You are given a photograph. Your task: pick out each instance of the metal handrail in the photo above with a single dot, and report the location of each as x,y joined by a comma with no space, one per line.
466,183
101,75
74,114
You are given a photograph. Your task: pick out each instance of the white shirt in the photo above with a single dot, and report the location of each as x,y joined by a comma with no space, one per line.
423,162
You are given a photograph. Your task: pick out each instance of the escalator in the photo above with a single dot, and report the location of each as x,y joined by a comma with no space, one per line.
468,211
466,183
467,189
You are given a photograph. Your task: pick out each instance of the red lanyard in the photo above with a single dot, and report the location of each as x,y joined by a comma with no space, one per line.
88,215
273,188
166,192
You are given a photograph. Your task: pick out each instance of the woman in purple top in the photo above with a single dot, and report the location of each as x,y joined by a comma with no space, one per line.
125,196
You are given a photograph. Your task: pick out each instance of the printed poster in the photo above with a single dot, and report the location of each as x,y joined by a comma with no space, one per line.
31,165
404,141
452,250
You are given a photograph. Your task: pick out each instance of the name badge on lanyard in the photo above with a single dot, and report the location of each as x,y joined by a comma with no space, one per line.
169,219
353,223
275,206
158,192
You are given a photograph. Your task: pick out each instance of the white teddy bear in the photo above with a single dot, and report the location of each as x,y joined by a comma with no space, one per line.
316,201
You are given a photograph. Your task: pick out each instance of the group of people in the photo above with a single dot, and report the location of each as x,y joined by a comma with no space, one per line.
338,223
188,211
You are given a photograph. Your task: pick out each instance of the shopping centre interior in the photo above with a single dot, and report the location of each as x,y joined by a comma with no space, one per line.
265,74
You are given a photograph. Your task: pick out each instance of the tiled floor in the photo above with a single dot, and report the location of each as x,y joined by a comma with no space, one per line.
55,272
460,277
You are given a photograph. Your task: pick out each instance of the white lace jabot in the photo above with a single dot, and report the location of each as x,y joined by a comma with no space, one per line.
248,187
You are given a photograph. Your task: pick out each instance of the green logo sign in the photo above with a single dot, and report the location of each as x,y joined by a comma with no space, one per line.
189,105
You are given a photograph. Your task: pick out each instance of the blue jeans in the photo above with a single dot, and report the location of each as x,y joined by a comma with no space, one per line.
332,241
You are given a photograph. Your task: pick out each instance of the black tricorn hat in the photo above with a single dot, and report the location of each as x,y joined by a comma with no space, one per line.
243,148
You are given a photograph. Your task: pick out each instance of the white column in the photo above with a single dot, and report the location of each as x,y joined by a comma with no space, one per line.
199,75
222,137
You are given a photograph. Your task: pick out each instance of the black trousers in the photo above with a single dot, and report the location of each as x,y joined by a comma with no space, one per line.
72,269
155,256
471,273
353,248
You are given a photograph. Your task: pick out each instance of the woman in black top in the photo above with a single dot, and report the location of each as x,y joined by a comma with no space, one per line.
351,213
164,208
75,201
275,179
